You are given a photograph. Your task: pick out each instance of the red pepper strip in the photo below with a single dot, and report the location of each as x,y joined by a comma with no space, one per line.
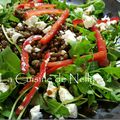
45,6
60,63
53,66
39,1
33,5
77,21
38,78
30,13
101,45
47,38
25,55
27,85
25,5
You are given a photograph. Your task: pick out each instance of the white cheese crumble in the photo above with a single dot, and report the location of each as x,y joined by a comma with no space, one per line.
41,25
37,50
72,108
15,36
61,32
3,87
51,90
97,77
89,9
102,26
78,10
79,38
46,30
64,95
28,48
62,52
88,21
69,37
20,25
35,113
31,21
105,18
118,63
10,31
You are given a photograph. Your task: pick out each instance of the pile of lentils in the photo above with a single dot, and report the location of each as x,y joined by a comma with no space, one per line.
57,46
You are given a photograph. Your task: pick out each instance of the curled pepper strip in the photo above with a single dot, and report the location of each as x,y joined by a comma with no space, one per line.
25,55
30,13
38,79
47,38
101,45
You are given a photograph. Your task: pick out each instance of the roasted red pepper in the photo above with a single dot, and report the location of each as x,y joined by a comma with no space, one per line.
35,5
38,79
60,63
39,1
77,21
47,38
101,45
30,13
25,55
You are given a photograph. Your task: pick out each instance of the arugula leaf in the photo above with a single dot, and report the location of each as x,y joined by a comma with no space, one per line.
80,48
52,106
79,61
56,108
99,6
9,62
114,71
4,95
5,2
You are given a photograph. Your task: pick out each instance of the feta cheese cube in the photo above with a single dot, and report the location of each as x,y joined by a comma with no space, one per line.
64,94
51,90
31,21
46,30
99,80
35,113
79,38
69,37
105,18
37,50
3,87
28,48
78,10
41,25
10,31
72,108
88,21
89,9
61,32
15,36
20,25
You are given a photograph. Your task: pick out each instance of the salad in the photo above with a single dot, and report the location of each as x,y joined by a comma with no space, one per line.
57,59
